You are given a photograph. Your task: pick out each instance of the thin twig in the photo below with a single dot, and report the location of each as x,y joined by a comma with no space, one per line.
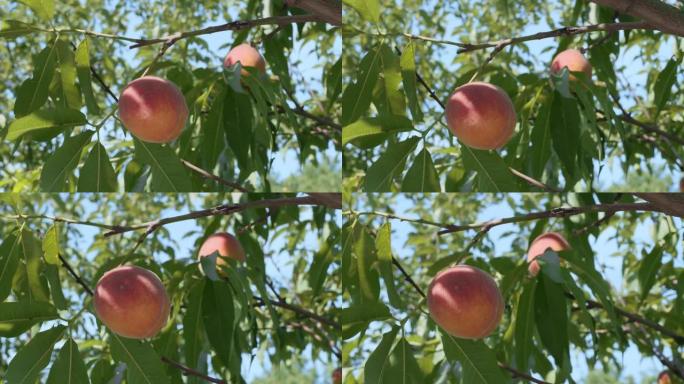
191,372
232,26
224,209
62,220
75,275
408,277
556,212
210,176
301,311
517,374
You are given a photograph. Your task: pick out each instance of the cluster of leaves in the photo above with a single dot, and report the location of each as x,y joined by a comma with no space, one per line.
392,338
394,134
63,137
216,322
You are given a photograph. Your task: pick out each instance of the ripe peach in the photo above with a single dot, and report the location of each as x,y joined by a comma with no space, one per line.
132,302
481,115
153,109
465,302
225,244
247,56
552,240
337,376
574,60
664,378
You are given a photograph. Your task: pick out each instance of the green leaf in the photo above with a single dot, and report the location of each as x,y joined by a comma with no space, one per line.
357,318
408,75
67,75
143,364
45,124
193,325
45,9
218,313
402,367
648,269
51,244
524,326
551,317
82,60
69,367
168,173
540,151
392,81
33,262
238,127
368,9
213,140
11,29
365,266
9,261
33,92
18,317
663,84
565,132
356,98
33,357
377,362
97,173
52,276
380,175
493,174
422,176
384,250
369,132
478,361
60,166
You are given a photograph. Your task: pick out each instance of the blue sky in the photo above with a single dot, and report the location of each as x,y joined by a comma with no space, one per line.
634,364
278,266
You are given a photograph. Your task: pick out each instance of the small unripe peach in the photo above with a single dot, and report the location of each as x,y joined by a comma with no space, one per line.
465,301
574,60
337,376
664,378
247,56
552,240
481,115
225,244
132,302
153,109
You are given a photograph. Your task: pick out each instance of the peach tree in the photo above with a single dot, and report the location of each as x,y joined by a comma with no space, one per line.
99,289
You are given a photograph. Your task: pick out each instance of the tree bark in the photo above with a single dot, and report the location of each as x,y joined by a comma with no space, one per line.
663,16
329,11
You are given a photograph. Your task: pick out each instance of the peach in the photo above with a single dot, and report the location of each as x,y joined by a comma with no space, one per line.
465,301
247,56
153,109
225,244
481,115
337,376
132,302
664,378
552,240
574,60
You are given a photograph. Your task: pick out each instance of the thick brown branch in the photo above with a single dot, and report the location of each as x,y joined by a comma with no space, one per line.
660,15
329,11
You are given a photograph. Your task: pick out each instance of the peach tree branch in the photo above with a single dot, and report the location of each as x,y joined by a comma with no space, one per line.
660,15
